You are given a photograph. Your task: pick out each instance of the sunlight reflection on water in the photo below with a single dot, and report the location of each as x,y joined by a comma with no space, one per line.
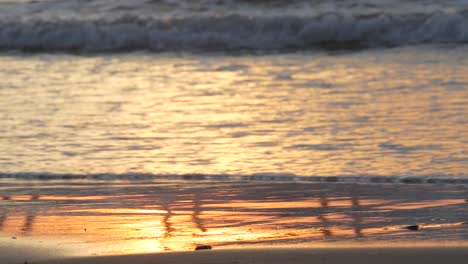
167,216
390,112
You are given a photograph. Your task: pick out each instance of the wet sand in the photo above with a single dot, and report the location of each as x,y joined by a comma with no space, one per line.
382,255
86,218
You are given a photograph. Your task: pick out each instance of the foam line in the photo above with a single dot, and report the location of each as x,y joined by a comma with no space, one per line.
269,177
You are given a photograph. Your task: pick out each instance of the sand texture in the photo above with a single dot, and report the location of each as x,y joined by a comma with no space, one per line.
452,255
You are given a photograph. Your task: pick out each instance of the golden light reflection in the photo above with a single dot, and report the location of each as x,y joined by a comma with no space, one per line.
167,217
117,211
66,198
307,114
426,204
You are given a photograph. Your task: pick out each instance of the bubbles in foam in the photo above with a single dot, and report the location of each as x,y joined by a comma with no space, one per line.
233,33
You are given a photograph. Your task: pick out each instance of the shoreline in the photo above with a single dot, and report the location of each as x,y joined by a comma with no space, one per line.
45,252
86,219
362,255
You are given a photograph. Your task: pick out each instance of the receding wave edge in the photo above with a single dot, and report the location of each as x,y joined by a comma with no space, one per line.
270,177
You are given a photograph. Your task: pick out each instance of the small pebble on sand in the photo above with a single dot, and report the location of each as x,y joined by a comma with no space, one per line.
413,227
204,247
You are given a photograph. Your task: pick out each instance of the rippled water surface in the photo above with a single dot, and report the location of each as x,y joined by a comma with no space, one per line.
386,112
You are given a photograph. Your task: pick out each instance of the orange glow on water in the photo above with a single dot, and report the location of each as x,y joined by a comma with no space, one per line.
426,204
306,114
175,218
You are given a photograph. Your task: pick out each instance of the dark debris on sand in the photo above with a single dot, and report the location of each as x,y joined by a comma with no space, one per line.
413,227
203,247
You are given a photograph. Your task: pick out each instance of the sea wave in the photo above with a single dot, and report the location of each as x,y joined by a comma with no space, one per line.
261,177
234,33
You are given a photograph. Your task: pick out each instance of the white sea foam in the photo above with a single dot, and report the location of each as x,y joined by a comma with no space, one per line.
233,32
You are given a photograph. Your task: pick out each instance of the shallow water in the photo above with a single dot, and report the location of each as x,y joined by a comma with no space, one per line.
388,112
84,217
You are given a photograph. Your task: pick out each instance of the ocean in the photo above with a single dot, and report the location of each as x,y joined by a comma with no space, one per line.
158,125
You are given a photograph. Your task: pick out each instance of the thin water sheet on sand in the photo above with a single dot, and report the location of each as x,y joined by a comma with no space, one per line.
90,217
427,255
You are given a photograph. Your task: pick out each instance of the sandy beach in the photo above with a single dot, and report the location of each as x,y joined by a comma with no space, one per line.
362,255
91,219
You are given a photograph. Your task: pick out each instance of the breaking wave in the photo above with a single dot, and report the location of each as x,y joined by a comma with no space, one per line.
234,33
